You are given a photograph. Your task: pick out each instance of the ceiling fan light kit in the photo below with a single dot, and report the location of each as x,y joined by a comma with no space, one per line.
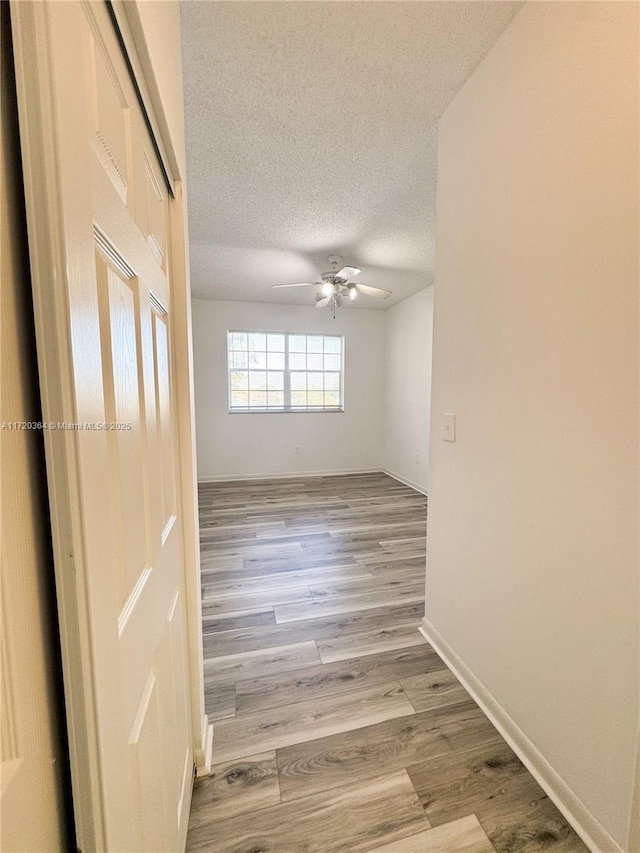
335,285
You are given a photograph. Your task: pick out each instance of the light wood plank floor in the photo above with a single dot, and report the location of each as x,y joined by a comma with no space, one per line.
337,727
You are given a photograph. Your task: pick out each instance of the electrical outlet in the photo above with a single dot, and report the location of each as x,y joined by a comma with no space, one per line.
417,458
296,449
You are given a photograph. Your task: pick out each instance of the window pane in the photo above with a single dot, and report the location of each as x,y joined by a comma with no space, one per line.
297,361
262,365
239,380
332,362
239,359
275,361
298,381
297,343
275,381
275,399
258,360
257,341
315,382
238,340
239,399
275,343
332,382
257,380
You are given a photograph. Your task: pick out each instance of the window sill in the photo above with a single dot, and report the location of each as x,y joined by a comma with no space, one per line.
286,411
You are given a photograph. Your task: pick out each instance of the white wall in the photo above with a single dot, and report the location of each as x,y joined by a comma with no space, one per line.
409,327
532,575
241,445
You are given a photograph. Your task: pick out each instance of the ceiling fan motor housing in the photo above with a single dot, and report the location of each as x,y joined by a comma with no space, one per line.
332,278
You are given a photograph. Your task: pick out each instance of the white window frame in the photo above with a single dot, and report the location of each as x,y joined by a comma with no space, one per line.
288,408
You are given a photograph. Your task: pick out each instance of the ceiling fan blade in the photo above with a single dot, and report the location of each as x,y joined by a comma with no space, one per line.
301,284
367,290
321,303
347,272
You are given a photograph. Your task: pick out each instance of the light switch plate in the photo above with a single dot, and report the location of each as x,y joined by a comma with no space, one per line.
448,427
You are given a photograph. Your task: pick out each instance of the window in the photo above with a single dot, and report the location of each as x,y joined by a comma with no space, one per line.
285,372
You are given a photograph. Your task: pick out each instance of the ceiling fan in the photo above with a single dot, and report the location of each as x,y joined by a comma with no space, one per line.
335,286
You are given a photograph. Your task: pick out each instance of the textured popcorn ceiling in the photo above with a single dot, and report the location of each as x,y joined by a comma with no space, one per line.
312,130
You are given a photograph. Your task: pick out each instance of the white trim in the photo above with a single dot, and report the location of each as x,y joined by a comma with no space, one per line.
406,481
204,756
594,835
183,359
287,475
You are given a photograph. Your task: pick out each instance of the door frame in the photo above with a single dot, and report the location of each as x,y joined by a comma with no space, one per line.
34,64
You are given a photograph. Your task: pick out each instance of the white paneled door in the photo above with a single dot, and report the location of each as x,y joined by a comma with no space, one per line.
103,316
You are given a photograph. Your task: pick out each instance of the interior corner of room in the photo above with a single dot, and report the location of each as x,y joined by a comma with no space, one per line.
386,419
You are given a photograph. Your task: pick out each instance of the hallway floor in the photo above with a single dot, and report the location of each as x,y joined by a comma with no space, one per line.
337,727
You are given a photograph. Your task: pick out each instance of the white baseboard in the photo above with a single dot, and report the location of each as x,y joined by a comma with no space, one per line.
405,480
286,475
594,835
204,753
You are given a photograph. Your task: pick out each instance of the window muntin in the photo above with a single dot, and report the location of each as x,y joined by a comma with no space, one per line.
285,372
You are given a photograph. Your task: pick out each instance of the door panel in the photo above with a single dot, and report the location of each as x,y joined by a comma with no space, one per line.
125,527
145,736
122,387
110,132
153,213
164,421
